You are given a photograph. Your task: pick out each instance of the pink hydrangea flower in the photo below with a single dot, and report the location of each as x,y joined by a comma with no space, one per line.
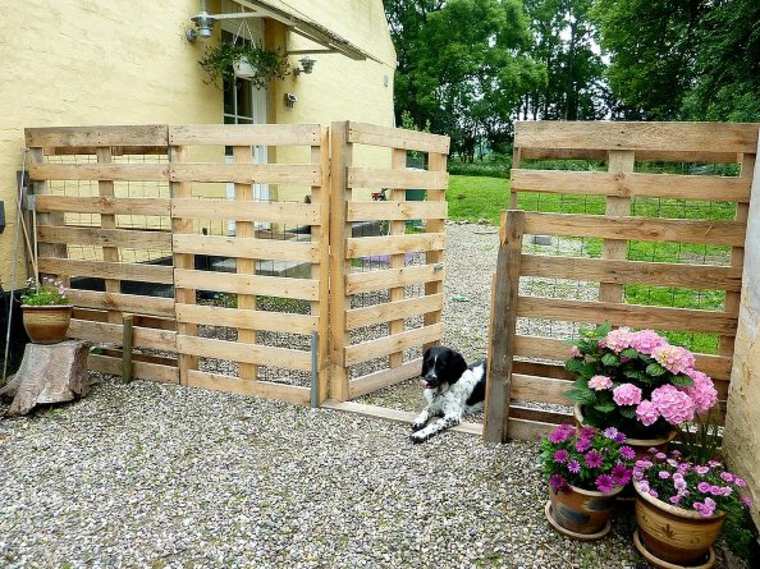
575,352
645,341
702,391
675,359
674,405
618,340
647,413
626,394
599,383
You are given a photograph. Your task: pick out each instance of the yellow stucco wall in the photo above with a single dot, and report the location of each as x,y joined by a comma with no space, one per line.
85,62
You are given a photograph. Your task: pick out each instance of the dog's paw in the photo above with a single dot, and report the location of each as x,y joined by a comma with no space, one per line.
417,426
418,437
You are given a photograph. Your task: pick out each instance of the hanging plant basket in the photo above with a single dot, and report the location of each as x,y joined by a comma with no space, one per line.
243,69
244,60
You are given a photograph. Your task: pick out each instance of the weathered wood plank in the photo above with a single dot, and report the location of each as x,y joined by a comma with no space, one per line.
140,370
275,212
266,389
401,178
243,283
716,188
245,135
389,137
394,244
107,270
396,210
388,278
364,351
620,162
641,155
94,236
245,248
97,136
399,309
636,228
244,318
104,205
258,354
106,332
129,172
384,378
540,389
139,304
307,174
701,277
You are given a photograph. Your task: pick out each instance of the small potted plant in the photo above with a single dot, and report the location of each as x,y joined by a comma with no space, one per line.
586,469
681,508
248,60
637,382
46,311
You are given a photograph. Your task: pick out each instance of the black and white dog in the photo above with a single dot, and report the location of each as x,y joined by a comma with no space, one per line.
452,389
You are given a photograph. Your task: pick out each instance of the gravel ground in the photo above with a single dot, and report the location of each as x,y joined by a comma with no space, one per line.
148,475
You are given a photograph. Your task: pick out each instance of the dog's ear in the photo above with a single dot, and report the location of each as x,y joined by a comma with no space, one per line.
425,362
455,367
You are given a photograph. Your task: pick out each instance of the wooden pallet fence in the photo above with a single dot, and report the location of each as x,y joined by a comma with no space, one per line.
350,286
529,368
87,157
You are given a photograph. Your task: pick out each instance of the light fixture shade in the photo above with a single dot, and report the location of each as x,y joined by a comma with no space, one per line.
307,64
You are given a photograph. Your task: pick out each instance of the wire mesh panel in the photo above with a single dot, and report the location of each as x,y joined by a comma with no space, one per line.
387,235
250,292
102,204
649,235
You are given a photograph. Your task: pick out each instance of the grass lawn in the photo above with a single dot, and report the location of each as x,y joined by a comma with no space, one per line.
473,198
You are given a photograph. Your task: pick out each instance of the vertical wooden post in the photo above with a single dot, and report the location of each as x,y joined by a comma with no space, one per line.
244,192
53,218
126,347
398,161
502,329
183,261
436,163
620,163
340,229
320,237
108,221
726,343
516,158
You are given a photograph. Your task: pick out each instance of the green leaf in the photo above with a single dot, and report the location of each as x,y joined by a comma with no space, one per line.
610,360
681,381
605,407
603,329
655,369
632,374
629,353
629,411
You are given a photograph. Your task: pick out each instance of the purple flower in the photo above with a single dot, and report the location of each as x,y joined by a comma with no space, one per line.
675,500
574,466
660,456
653,493
663,474
747,501
727,477
701,470
703,487
627,452
638,474
561,456
740,482
593,459
644,486
611,433
621,474
644,464
715,490
705,509
582,445
587,432
557,482
561,434
726,491
605,483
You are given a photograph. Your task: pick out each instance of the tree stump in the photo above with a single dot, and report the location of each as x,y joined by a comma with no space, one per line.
52,373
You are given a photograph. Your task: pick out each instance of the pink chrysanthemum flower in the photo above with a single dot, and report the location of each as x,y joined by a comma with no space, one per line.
618,340
561,456
702,391
647,413
621,474
627,452
599,383
605,483
674,405
561,434
593,459
675,359
646,341
626,394
574,466
557,482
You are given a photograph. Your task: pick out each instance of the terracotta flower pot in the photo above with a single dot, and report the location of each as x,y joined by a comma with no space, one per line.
675,535
47,324
641,446
584,514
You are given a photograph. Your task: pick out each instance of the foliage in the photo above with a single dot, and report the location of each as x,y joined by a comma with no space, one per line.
636,381
586,458
497,166
701,441
49,292
218,62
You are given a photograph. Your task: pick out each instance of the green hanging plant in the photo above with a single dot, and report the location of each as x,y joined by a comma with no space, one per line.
259,65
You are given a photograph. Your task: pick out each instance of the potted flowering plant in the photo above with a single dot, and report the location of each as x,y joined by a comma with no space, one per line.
681,507
586,468
637,382
46,311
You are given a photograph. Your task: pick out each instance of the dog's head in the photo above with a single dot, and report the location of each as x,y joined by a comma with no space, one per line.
441,366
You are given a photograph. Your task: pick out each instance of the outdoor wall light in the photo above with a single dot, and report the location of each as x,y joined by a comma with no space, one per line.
307,66
204,27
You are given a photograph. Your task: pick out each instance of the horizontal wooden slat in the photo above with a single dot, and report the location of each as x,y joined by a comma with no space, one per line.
247,319
641,155
107,333
716,188
388,137
97,136
245,248
394,244
103,204
528,413
141,370
702,277
383,378
396,210
306,174
266,389
275,212
619,135
525,430
245,135
636,315
107,270
96,237
390,278
540,389
241,283
396,310
135,303
636,228
258,354
390,344
131,172
401,179
717,367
